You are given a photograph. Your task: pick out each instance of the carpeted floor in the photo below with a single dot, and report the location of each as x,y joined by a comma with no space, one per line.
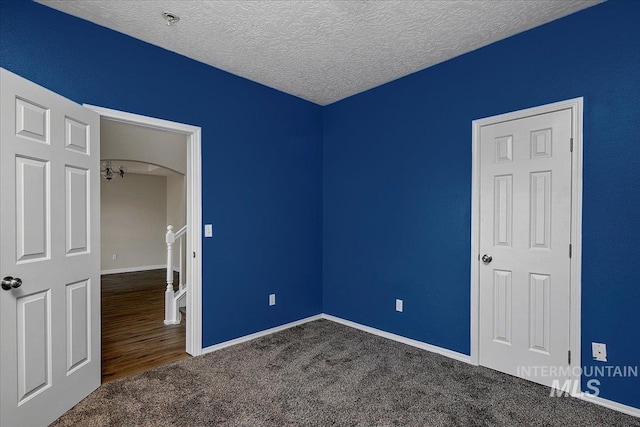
324,374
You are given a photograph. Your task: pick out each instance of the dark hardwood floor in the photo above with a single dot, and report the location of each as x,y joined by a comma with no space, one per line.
134,338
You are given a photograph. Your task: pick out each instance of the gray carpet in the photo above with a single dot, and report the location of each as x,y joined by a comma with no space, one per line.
324,374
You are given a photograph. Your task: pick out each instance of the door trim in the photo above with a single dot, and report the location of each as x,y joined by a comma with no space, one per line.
576,107
194,212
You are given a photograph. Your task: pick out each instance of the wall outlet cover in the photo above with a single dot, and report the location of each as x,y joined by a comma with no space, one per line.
208,230
599,351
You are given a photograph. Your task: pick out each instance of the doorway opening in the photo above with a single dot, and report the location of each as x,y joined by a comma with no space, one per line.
134,339
146,166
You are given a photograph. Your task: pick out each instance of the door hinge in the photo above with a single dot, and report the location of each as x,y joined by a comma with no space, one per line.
570,250
194,254
569,357
571,145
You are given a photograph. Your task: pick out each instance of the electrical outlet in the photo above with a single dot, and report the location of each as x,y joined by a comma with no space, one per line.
399,305
114,257
599,351
272,299
208,230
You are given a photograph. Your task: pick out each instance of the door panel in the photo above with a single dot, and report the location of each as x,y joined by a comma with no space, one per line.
539,312
503,212
32,121
525,218
502,306
78,324
49,177
34,344
77,212
76,136
540,214
32,209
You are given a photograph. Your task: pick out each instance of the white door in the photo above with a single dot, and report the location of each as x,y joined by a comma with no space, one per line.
49,235
525,223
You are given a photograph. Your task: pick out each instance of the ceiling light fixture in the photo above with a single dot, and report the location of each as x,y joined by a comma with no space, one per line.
170,17
108,171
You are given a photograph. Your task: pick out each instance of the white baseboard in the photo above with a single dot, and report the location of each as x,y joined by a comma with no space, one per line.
413,343
133,269
629,410
419,344
620,407
253,336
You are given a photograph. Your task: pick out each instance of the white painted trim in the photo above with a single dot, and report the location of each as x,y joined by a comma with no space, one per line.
475,254
253,336
630,410
576,106
620,407
414,343
575,318
194,213
194,244
399,338
140,120
134,269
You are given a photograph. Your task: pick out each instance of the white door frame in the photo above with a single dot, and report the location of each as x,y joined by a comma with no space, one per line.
194,213
576,106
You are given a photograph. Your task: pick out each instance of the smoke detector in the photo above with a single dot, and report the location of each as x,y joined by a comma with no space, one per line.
170,17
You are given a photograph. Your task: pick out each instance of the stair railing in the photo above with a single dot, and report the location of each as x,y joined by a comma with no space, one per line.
172,298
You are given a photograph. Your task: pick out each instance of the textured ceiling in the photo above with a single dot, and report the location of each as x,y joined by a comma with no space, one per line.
322,51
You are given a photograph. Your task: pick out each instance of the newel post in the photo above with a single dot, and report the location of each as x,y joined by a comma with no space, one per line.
169,305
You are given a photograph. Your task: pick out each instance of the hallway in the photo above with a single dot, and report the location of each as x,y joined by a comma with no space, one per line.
134,338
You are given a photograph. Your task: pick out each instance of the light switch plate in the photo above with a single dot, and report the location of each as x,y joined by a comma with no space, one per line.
208,230
272,299
399,305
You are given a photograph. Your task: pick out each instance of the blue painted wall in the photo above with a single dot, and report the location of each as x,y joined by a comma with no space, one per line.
397,183
261,157
393,220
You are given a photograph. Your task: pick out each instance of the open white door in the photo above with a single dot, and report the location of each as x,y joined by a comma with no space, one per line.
49,235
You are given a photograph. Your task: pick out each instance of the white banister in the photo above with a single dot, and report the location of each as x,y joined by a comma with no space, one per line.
181,236
180,281
172,299
170,239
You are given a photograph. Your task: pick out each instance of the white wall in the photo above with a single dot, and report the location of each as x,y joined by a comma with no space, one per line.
133,222
176,208
123,141
176,204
